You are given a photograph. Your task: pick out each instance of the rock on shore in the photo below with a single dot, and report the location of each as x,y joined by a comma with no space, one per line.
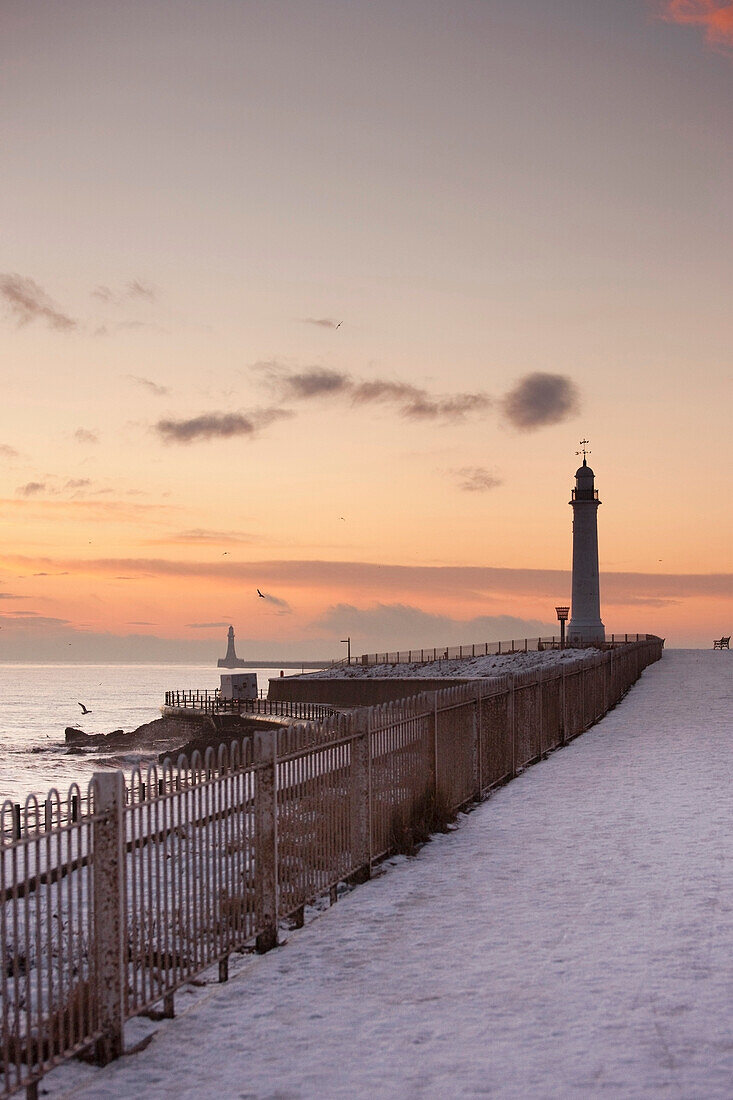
160,729
168,737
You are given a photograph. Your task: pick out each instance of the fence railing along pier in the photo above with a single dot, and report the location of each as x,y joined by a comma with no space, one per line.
104,916
478,649
210,701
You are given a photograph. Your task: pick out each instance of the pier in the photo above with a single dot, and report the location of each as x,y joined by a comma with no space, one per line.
572,938
203,857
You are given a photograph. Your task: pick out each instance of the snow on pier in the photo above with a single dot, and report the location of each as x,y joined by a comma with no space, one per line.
572,938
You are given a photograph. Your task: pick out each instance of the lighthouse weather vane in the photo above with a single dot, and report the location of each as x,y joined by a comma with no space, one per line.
584,443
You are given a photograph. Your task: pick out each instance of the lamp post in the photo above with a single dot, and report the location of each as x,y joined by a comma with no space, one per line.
347,642
562,614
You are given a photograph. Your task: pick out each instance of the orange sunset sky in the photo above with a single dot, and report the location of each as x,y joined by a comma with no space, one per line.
318,297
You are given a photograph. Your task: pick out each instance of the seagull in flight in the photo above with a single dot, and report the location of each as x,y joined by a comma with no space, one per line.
261,595
339,324
84,710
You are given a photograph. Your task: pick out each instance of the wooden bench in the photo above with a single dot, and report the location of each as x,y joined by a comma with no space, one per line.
722,643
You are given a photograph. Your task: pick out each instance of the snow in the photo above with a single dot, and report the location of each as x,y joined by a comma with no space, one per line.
572,938
492,665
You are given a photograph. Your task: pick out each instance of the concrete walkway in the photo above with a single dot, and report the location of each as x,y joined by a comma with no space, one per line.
573,938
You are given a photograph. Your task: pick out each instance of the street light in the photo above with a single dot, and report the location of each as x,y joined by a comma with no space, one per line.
347,642
562,614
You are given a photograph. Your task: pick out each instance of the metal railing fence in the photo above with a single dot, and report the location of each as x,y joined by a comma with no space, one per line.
478,649
36,815
209,701
49,970
40,815
103,917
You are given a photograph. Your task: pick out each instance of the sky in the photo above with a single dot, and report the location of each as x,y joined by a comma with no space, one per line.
319,298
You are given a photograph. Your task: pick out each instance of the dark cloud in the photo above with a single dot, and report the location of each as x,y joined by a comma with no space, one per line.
454,407
83,435
148,384
31,488
218,425
413,402
139,622
540,399
380,389
475,479
317,382
29,302
537,400
322,322
10,596
7,452
78,483
207,626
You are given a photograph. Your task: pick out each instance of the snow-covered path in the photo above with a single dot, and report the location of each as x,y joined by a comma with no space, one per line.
573,938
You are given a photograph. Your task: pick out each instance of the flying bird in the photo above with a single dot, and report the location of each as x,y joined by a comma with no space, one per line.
261,595
84,710
339,324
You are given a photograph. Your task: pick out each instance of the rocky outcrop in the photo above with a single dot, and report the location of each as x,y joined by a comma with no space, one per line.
145,736
115,739
142,737
169,737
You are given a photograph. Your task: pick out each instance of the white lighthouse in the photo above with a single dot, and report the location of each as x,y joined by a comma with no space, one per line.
585,626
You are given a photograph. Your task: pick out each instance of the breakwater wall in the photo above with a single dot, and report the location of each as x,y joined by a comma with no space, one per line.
107,915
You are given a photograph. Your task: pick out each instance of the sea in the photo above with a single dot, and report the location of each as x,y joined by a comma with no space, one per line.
38,702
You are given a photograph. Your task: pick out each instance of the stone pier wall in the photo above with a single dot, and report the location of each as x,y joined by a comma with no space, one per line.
354,692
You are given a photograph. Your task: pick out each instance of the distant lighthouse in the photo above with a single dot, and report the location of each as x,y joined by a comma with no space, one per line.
585,626
231,660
